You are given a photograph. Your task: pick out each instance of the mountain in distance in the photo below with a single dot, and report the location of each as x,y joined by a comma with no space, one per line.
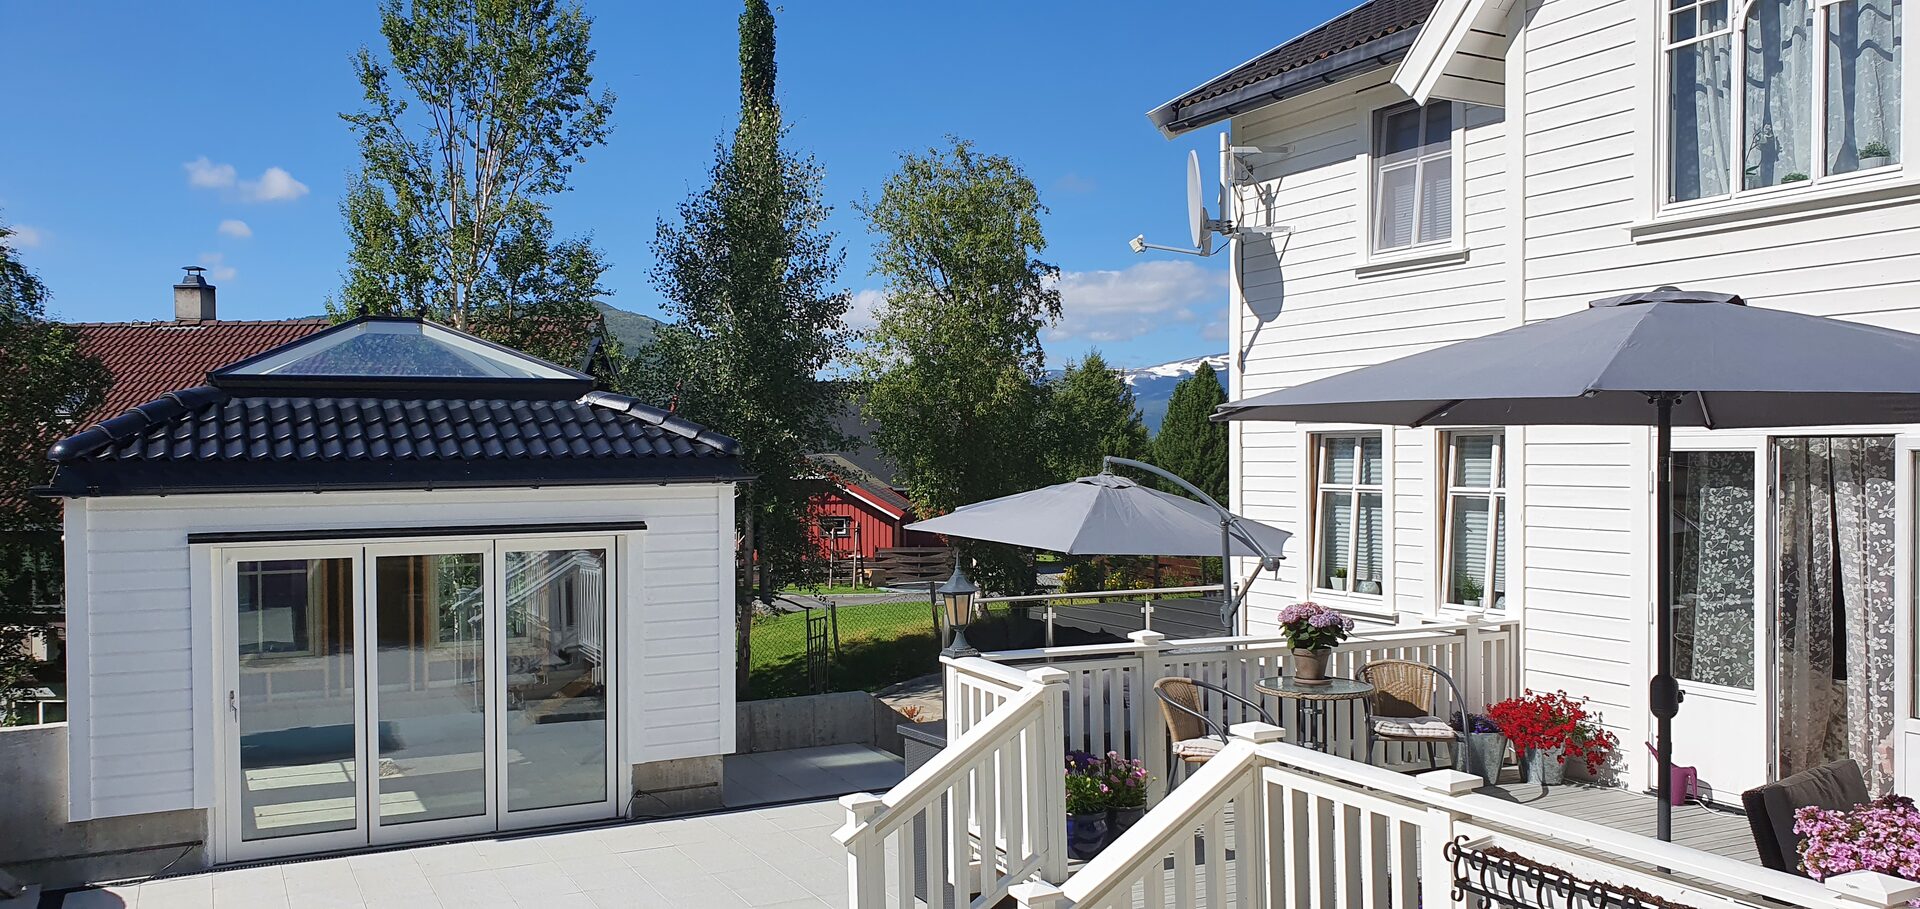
633,330
1153,385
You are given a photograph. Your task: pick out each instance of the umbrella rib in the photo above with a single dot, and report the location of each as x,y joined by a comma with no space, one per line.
1706,415
1434,413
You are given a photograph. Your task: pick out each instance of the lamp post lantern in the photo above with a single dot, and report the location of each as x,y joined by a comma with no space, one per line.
956,595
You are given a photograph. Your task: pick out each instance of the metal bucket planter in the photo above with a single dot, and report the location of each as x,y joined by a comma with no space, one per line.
1086,834
1544,766
1486,752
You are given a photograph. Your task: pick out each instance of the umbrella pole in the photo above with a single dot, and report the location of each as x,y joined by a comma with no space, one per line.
1664,696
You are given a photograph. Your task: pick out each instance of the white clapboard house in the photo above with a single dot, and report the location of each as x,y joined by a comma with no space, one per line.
1444,169
390,582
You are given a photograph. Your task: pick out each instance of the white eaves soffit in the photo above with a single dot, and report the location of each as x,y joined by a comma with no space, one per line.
1460,54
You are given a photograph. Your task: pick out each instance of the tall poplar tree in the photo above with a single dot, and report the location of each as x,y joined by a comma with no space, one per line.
493,106
955,365
748,272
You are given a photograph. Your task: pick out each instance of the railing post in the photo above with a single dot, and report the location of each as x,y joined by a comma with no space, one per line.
1253,875
866,855
1873,889
1050,787
1150,727
1473,666
1436,873
1039,895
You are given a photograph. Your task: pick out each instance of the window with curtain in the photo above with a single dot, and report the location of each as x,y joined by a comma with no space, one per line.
1413,173
1769,93
1714,552
1350,530
1476,519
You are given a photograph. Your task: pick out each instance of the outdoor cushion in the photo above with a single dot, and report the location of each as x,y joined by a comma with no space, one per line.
1770,808
1412,727
1200,749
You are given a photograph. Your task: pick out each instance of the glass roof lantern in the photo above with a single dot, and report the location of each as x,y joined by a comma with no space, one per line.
389,351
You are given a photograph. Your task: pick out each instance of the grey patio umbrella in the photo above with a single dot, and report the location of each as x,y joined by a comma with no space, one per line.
1104,514
1662,358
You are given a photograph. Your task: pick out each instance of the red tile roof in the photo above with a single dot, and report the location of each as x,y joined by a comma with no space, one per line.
149,359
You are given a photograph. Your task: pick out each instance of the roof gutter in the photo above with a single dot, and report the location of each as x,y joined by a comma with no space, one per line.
1173,122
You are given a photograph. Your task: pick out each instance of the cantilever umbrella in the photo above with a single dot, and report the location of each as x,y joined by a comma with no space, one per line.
1662,358
1107,514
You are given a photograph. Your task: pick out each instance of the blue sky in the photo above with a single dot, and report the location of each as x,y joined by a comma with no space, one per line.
141,137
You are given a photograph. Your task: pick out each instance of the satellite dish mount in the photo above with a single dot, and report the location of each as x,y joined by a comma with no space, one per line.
1201,225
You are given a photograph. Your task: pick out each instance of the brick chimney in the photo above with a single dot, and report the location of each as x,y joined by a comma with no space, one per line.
193,298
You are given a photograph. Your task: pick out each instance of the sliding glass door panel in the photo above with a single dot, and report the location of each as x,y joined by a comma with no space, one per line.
430,688
556,712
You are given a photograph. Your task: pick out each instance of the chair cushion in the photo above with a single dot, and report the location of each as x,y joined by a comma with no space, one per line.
1412,727
1770,808
1197,748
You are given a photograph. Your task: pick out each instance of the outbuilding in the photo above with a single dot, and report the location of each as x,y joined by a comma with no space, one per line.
392,582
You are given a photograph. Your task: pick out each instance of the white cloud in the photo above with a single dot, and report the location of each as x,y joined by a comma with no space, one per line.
273,185
1123,304
234,227
24,237
217,267
1074,183
864,313
202,173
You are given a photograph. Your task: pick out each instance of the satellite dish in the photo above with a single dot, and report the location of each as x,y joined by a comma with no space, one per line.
1197,208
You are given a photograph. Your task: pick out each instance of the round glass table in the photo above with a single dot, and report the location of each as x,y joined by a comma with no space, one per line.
1310,704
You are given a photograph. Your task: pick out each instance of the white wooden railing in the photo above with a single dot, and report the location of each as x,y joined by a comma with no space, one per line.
1268,825
987,812
1110,704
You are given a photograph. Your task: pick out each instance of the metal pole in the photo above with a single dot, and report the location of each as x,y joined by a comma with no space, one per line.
1226,575
1664,696
1227,522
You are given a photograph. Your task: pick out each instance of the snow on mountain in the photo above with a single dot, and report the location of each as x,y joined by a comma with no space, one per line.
1153,385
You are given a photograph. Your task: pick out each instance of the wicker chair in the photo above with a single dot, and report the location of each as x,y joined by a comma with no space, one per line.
1401,707
1196,737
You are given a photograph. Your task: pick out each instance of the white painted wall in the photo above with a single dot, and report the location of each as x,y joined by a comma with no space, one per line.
140,617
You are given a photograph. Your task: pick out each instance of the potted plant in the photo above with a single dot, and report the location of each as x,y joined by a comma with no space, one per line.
1875,154
1882,835
1470,592
1795,177
1126,785
1312,631
1339,578
1088,798
1547,730
1486,750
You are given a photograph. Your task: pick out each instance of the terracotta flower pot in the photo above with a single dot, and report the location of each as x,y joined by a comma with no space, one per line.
1310,666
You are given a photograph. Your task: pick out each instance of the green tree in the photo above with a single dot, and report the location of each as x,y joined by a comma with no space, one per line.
48,384
1091,414
955,363
448,216
1190,443
748,272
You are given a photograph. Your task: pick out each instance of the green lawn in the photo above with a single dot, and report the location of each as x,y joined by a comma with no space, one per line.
880,644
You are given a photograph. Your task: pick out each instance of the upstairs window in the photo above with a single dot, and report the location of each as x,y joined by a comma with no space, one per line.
1413,174
1776,93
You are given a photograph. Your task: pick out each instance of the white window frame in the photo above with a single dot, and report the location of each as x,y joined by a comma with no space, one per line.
1739,195
1434,252
1498,513
1318,486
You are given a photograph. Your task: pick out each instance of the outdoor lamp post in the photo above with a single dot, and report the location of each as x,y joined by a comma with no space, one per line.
957,595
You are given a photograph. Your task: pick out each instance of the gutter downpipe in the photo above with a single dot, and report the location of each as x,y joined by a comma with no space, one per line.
1229,530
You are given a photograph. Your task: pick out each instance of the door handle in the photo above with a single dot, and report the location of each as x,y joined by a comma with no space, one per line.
233,702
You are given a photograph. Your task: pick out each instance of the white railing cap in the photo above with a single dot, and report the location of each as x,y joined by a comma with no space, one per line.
1258,733
1873,888
1038,895
1450,782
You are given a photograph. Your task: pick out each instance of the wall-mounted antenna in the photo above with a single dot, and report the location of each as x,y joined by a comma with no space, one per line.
1201,226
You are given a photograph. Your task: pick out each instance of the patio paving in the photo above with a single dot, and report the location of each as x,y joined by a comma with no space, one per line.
782,856
830,771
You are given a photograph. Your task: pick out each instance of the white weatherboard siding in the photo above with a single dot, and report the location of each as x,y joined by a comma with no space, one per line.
141,649
1313,306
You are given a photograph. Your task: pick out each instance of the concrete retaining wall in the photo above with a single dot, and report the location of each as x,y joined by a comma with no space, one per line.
38,843
810,721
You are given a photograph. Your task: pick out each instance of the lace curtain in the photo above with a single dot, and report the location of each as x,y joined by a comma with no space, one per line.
1779,92
1836,608
1863,82
1713,567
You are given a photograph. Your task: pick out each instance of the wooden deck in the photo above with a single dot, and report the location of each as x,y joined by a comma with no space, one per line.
1706,829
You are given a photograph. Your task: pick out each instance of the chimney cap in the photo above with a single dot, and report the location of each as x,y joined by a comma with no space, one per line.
194,277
